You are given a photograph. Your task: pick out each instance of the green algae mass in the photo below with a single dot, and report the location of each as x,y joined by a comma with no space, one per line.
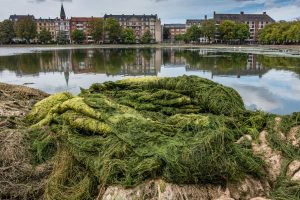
182,129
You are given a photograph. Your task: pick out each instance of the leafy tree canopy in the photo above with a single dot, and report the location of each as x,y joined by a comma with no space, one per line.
7,32
128,36
78,36
114,30
26,29
45,36
147,37
96,29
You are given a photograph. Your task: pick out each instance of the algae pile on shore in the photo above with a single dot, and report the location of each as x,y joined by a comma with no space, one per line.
183,130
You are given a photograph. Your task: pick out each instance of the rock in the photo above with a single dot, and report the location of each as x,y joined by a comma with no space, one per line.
259,198
293,171
160,190
249,188
294,136
272,158
277,123
244,138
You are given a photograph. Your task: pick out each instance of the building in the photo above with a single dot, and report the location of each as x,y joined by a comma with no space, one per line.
255,21
55,26
16,18
175,29
62,24
82,23
48,24
140,24
197,22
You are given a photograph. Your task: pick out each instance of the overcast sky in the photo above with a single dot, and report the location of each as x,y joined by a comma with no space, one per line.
170,11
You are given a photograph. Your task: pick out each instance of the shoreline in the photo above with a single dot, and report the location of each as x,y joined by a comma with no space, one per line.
221,46
285,50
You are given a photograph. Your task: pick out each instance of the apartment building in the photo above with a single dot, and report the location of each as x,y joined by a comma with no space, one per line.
48,24
140,24
82,23
175,29
16,18
254,21
197,22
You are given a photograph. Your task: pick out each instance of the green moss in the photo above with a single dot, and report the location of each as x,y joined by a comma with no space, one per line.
182,129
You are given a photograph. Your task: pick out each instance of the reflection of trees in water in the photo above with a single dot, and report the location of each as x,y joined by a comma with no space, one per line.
218,63
24,64
282,63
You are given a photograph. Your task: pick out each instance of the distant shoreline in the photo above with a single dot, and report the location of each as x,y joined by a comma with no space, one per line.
289,50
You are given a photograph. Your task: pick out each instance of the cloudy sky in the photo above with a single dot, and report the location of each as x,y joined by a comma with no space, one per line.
170,11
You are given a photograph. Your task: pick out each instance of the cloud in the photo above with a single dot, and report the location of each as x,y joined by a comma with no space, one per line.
170,11
39,1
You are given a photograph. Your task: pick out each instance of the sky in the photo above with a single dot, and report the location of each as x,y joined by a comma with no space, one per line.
170,11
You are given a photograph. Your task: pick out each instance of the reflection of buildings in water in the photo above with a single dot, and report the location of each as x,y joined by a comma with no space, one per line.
253,68
82,65
143,65
254,65
176,60
203,52
57,61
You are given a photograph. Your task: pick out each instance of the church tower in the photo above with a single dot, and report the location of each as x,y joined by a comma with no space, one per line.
62,12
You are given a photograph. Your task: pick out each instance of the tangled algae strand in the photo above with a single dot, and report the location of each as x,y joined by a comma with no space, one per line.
182,129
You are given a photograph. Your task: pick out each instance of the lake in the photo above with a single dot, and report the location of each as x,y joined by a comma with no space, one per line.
269,82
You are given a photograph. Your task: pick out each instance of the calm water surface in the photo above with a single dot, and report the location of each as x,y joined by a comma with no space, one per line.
266,82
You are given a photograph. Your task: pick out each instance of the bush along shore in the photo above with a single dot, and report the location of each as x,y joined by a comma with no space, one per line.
160,138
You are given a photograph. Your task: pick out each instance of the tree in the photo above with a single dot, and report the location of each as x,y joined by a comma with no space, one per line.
193,33
62,37
128,36
166,34
227,30
7,32
208,29
181,38
242,31
78,36
147,37
26,29
280,33
113,29
96,29
45,36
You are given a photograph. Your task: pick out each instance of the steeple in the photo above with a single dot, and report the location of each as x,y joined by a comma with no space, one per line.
62,12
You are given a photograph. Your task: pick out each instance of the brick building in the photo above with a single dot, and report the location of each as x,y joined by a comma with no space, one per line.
82,23
175,29
254,21
140,24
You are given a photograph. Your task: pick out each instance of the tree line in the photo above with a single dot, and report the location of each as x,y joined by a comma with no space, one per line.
281,33
101,30
228,31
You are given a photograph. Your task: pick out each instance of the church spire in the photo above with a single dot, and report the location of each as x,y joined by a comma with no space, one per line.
62,12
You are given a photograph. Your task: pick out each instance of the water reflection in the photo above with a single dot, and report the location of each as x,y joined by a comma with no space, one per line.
265,82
